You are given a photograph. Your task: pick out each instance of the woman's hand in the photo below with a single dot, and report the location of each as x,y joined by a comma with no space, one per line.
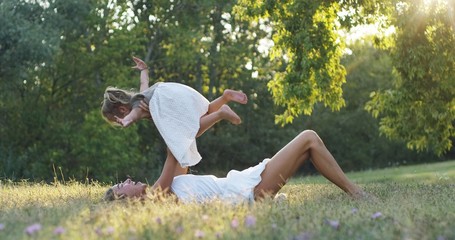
143,105
140,65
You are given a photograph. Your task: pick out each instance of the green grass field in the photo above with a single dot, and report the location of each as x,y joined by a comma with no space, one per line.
414,202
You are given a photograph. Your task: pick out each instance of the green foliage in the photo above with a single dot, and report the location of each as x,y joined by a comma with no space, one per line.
57,59
25,38
351,134
309,50
420,107
47,100
112,154
419,110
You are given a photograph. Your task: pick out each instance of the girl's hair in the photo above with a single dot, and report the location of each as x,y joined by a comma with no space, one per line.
113,99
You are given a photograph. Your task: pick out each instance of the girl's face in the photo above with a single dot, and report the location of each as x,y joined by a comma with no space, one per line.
129,189
123,111
119,112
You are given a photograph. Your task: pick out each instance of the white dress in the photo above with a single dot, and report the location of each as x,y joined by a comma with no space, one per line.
236,187
176,110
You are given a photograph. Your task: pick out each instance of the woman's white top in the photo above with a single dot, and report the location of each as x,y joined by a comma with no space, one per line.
236,187
176,110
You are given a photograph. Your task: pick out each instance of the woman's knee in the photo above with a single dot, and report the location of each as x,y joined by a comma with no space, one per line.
310,137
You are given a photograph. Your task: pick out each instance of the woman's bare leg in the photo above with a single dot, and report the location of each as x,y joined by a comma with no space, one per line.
228,96
291,157
223,113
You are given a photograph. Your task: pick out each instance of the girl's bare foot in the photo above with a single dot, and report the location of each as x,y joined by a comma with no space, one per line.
235,96
228,114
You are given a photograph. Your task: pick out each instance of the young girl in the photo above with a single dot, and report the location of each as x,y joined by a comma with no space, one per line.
179,112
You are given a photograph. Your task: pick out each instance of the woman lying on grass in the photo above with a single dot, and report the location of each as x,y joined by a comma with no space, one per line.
254,183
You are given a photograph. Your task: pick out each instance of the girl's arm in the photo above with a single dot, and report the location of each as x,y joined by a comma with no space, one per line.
133,116
144,80
141,66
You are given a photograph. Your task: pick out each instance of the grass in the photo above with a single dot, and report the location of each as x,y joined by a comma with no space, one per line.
415,202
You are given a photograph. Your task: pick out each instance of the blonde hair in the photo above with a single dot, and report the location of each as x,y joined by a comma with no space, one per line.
113,99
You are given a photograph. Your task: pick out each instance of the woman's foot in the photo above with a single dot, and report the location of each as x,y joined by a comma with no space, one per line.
228,114
235,96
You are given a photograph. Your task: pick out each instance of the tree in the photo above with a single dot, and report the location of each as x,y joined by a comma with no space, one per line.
308,49
420,107
352,134
51,92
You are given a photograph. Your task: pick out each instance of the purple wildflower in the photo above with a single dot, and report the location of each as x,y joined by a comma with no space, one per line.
354,210
98,231
376,215
32,229
199,234
59,230
303,236
158,220
250,221
110,230
179,229
234,223
2,226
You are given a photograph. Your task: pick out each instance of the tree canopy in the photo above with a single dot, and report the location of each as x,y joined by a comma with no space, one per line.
420,107
290,58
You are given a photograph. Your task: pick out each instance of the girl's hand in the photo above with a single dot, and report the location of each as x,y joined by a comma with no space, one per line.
123,122
140,65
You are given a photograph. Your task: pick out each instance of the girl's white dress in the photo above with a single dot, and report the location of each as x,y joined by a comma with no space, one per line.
176,110
236,187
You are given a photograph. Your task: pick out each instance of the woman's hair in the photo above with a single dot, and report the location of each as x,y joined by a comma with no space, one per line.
113,99
110,195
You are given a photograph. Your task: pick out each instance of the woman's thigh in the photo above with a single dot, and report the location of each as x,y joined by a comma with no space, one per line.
284,164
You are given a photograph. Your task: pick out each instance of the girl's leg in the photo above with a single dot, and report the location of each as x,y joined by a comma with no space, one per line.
218,110
289,159
228,96
223,113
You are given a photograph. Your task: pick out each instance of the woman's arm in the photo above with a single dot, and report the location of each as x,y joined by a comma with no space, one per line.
171,169
141,66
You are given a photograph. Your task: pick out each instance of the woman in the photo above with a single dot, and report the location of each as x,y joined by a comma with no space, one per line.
258,182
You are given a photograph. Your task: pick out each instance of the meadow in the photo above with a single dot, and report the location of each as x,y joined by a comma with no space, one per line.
413,202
